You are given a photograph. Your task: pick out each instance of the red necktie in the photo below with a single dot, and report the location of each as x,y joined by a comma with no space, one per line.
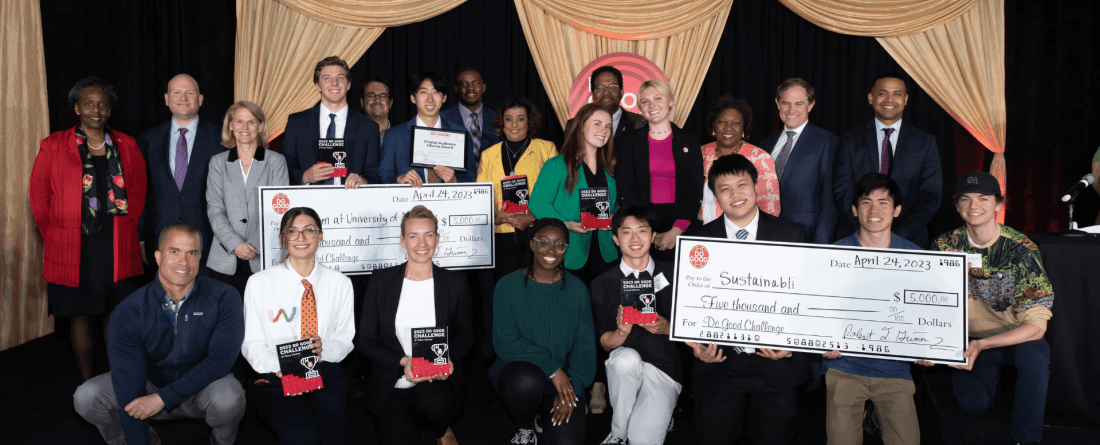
309,311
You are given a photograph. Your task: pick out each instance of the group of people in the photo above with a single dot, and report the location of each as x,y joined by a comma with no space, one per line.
552,307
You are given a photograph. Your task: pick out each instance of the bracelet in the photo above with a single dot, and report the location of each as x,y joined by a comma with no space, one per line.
552,375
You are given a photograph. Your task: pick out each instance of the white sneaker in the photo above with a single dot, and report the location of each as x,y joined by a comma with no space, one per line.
525,437
610,440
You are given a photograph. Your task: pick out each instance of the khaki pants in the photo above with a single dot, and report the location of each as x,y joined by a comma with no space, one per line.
893,399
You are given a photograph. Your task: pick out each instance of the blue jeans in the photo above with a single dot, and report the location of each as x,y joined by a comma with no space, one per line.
974,390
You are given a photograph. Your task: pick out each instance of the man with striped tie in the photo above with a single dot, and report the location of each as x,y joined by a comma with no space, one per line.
745,390
471,113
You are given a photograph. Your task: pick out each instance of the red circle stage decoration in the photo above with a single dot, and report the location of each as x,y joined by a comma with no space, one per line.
636,70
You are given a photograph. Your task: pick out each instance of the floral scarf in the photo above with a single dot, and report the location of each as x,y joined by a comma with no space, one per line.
116,203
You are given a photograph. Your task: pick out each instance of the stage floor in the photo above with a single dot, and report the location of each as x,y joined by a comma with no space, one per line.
38,410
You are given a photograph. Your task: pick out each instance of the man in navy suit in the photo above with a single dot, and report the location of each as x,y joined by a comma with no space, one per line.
331,118
803,155
472,114
606,85
427,90
885,145
745,391
177,155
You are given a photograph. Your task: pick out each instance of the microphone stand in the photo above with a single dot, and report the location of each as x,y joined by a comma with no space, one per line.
1072,230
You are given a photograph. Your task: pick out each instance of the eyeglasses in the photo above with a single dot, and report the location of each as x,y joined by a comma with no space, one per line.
602,88
545,243
373,96
310,233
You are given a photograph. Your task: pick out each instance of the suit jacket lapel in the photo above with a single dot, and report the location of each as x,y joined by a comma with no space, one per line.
255,172
194,167
350,126
162,148
441,288
393,296
315,121
764,228
900,155
870,138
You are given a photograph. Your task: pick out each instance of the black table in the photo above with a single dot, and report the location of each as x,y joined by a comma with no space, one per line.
1073,266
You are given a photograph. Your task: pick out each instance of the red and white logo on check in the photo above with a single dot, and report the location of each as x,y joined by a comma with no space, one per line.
698,256
280,203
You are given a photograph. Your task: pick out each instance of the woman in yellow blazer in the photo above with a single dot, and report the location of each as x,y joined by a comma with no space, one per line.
519,153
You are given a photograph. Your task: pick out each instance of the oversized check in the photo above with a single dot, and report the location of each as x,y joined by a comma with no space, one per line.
880,303
362,227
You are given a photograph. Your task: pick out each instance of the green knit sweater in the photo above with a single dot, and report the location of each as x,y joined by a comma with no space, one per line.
546,325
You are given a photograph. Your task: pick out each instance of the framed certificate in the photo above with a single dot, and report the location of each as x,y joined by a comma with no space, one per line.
436,146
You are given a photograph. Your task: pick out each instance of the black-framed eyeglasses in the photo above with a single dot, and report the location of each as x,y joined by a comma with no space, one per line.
611,88
310,233
545,243
373,96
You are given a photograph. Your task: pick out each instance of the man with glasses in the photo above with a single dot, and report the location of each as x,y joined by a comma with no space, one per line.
377,101
607,91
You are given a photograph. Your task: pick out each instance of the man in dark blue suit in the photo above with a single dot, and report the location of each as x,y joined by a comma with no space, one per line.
427,90
331,118
177,154
472,114
803,155
886,145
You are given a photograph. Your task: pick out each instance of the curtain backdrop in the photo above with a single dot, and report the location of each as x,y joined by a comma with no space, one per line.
565,35
22,291
279,43
954,49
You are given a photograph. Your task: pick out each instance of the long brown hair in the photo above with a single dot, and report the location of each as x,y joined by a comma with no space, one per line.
573,149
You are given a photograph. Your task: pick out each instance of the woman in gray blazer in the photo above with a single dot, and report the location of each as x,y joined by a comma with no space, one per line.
231,193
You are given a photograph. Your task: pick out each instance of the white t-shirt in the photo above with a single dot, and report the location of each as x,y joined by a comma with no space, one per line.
415,309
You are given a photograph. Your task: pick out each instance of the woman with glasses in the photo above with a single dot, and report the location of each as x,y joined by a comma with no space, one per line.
416,294
231,196
545,340
297,300
587,160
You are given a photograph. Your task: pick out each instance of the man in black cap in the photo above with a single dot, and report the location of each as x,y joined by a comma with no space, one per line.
1008,308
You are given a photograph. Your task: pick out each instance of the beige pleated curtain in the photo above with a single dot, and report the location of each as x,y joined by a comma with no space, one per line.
22,292
280,41
679,36
953,49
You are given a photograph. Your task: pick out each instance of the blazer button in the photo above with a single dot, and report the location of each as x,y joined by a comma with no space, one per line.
244,220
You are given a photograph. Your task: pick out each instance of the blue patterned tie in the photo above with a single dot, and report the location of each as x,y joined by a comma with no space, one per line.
783,155
331,126
742,234
475,130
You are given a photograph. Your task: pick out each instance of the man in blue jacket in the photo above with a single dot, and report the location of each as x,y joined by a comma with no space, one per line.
171,344
428,91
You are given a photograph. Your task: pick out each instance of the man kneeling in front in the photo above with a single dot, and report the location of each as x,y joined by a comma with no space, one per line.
171,344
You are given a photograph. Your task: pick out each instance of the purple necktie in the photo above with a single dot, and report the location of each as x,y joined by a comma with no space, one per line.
884,158
181,159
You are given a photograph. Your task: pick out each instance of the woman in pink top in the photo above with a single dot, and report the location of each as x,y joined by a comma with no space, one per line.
729,121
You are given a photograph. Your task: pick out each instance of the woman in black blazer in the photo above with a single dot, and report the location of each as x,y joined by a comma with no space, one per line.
413,295
661,168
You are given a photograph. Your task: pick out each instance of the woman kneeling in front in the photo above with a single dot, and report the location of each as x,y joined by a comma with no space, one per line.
401,299
298,300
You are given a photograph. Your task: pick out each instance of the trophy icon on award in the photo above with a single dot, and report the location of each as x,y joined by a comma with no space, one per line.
439,349
647,299
309,363
339,156
522,195
603,207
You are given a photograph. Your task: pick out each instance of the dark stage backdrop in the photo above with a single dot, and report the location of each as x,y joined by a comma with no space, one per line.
1051,56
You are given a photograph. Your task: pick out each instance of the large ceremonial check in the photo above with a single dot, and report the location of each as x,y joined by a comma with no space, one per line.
362,227
880,303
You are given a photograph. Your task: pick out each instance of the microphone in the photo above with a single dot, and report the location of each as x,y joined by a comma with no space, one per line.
1086,181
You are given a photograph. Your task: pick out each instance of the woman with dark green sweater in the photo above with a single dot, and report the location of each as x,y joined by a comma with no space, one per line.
545,341
587,160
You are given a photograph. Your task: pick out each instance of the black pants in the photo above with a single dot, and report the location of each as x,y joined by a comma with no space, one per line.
432,403
238,279
722,411
526,391
315,418
595,265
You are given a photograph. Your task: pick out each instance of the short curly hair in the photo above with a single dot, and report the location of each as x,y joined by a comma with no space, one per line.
725,102
534,118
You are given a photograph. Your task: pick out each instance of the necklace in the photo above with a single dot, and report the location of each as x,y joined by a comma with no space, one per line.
658,133
531,274
515,155
100,147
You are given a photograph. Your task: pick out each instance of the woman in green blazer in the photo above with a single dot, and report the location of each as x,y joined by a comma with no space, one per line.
587,160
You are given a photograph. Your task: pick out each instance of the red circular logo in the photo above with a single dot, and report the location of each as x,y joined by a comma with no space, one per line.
280,203
698,256
636,70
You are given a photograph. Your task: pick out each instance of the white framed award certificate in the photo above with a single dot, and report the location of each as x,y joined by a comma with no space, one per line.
436,146
880,303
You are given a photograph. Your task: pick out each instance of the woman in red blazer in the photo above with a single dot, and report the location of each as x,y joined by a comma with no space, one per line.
87,190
